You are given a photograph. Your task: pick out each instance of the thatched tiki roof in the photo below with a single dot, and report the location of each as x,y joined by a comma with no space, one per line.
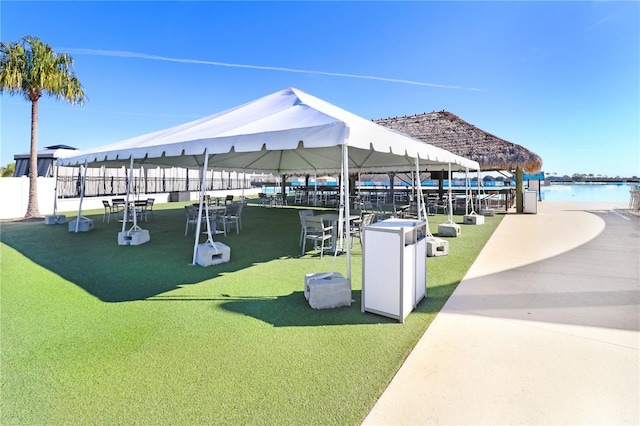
448,131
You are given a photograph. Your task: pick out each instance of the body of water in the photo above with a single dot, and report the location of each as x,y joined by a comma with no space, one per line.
614,192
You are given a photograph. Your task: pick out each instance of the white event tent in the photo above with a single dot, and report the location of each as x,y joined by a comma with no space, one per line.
287,132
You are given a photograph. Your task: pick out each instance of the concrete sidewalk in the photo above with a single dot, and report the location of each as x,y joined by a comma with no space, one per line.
544,329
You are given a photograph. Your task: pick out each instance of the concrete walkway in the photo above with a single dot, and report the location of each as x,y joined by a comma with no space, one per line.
544,329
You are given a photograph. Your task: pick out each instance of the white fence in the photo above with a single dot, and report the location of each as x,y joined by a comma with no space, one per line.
14,195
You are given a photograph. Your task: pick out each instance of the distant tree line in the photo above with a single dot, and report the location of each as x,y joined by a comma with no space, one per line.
8,170
582,177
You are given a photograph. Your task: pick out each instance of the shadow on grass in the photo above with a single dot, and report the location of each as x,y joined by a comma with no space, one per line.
95,262
293,310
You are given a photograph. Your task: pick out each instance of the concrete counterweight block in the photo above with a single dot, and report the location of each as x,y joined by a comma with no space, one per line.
84,225
473,219
327,290
437,247
488,212
56,219
133,238
448,230
207,255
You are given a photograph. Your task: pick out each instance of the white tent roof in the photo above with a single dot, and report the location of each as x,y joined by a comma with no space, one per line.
287,132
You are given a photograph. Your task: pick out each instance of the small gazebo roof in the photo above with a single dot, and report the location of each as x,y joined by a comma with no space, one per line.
448,131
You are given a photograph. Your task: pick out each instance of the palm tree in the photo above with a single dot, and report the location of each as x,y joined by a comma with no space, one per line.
31,68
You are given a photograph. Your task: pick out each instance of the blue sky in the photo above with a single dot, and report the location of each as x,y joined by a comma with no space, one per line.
560,78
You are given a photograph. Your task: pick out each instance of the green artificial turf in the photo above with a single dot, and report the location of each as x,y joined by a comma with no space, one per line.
97,333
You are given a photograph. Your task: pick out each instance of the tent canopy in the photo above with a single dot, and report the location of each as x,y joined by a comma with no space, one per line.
287,132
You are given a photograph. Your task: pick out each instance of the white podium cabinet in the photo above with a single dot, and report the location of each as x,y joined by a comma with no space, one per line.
530,202
394,267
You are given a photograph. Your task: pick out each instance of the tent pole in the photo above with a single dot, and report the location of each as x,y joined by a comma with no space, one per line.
206,214
55,192
125,217
345,183
341,216
244,183
103,172
450,197
478,196
136,196
84,180
419,191
467,191
315,189
205,166
392,178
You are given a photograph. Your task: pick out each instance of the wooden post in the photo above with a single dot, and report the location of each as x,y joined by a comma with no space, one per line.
353,179
392,193
519,194
283,188
440,184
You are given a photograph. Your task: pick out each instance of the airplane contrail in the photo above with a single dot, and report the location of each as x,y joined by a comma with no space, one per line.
125,54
